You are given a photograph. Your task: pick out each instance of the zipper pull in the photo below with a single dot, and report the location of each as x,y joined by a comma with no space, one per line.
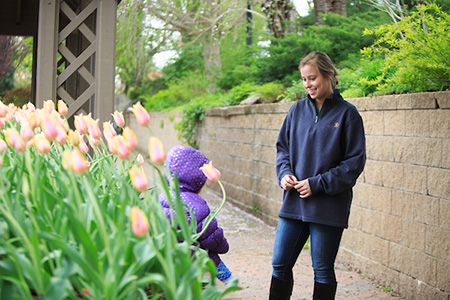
317,118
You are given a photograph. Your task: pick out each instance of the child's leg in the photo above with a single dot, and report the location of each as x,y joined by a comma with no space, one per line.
223,273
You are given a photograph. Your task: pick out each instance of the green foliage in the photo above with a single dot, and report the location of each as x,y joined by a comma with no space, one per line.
178,93
293,93
418,49
341,38
239,93
19,96
193,113
269,92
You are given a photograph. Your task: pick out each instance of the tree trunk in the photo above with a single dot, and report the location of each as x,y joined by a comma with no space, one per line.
211,59
327,6
280,14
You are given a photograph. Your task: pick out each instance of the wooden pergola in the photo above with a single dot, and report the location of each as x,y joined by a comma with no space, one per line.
73,53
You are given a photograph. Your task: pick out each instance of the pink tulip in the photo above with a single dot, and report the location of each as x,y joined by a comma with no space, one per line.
61,135
81,124
108,130
49,106
79,164
211,173
75,161
156,150
41,143
74,138
26,131
2,123
1,161
142,116
94,130
3,110
140,160
82,146
94,142
62,108
3,145
49,126
11,136
120,147
33,120
118,118
139,222
138,178
130,138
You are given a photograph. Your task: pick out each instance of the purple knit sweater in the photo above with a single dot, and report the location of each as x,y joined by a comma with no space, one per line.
186,162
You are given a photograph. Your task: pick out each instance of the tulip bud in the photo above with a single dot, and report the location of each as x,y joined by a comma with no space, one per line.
130,138
108,130
156,151
118,118
73,138
211,173
139,222
80,124
138,178
41,143
142,116
140,160
62,108
49,106
3,145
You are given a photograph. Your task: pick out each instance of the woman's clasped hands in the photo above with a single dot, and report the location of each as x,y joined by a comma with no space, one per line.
290,181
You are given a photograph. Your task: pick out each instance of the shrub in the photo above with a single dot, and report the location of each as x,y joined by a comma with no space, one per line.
19,96
417,49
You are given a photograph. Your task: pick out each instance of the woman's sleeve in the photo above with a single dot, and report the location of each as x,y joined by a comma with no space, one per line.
283,164
344,176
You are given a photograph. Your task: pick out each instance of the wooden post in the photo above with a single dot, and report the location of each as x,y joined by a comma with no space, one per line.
47,51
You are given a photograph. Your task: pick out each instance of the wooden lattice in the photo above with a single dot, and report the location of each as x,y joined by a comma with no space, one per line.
77,61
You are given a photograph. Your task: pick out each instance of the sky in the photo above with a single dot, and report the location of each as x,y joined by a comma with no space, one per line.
301,6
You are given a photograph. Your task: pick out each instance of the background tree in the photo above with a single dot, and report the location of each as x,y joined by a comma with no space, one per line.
329,6
12,52
281,14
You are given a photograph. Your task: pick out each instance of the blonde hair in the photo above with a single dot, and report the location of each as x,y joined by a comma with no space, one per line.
324,64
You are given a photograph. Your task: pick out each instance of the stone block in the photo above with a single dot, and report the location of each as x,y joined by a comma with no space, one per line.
408,287
440,124
403,204
373,122
415,178
392,174
355,219
438,182
423,101
437,242
426,209
412,235
443,99
446,154
404,149
417,123
444,214
373,172
380,198
394,122
429,152
443,275
380,147
392,228
413,263
264,121
266,137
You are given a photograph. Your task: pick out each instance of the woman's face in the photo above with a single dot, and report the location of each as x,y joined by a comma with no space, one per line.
318,86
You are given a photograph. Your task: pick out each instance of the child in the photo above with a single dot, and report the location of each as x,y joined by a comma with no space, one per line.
186,162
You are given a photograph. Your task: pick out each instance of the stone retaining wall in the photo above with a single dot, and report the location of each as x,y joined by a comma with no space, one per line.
399,232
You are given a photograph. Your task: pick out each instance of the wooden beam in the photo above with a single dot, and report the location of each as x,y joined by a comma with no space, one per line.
47,51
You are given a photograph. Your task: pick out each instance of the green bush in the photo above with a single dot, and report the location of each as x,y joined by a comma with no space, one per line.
416,51
179,93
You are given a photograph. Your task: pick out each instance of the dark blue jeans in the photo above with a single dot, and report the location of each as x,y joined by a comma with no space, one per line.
290,238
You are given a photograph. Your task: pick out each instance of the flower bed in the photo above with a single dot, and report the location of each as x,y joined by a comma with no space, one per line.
86,223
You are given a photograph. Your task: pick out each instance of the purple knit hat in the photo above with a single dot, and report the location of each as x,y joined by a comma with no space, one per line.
186,162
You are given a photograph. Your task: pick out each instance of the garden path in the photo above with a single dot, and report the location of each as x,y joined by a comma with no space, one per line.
251,242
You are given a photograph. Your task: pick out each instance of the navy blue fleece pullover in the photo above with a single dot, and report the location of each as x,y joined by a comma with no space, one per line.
329,150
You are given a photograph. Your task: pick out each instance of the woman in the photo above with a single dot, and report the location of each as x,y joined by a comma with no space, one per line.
320,154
